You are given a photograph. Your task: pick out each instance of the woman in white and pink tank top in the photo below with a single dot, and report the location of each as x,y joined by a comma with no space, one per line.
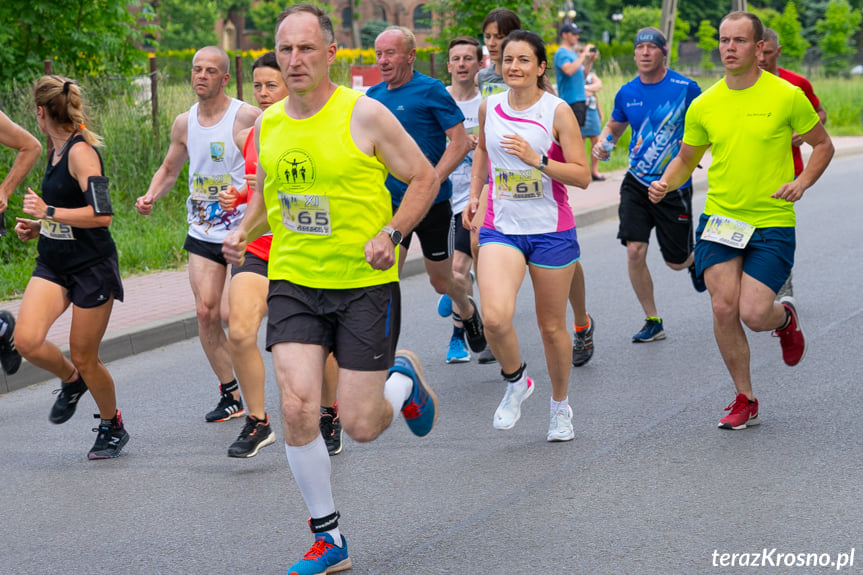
529,149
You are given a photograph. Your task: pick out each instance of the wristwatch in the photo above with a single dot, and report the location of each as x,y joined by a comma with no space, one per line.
49,213
543,163
394,234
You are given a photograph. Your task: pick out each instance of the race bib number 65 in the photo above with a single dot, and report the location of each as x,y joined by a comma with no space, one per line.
306,213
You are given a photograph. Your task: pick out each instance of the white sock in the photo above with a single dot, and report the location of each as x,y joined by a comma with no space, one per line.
311,467
397,391
555,405
519,385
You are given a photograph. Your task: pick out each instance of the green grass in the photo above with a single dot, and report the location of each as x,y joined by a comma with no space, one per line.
132,154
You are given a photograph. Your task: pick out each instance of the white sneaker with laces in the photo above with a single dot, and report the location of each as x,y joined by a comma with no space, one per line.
560,426
509,411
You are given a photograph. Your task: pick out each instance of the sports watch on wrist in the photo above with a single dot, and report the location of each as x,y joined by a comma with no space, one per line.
394,234
49,212
543,163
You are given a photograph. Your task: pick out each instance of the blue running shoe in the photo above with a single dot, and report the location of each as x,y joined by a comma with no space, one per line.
444,306
324,557
652,331
457,352
697,281
420,409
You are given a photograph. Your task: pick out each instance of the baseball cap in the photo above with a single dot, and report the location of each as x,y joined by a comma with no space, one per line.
571,28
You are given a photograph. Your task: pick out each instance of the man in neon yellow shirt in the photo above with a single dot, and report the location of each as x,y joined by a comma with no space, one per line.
333,266
745,240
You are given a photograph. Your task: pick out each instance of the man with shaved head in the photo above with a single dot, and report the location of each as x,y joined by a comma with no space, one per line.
205,136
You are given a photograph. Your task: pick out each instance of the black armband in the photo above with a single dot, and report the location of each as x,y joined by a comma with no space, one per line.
97,196
323,524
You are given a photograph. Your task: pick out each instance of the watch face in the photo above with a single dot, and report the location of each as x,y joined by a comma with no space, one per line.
396,237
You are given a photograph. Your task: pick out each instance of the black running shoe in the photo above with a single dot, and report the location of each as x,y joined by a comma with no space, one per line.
111,439
67,400
255,435
331,429
10,359
582,345
473,329
228,407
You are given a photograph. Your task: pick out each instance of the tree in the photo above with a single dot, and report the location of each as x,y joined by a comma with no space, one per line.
95,37
836,31
708,43
794,45
637,17
185,24
264,14
464,17
370,31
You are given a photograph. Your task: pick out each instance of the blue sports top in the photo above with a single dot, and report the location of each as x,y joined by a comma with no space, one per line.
655,113
427,111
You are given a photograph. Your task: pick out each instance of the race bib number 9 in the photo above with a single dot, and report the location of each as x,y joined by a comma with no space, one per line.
518,184
727,231
306,213
56,231
207,188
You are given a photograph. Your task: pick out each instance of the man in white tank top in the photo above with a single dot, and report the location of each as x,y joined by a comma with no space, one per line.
205,136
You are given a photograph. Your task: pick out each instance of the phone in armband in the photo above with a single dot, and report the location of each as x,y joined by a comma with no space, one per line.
97,195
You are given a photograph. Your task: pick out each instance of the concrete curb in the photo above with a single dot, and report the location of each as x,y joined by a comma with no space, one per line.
171,330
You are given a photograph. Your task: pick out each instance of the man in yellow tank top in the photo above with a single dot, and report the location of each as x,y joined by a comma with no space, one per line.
745,240
333,278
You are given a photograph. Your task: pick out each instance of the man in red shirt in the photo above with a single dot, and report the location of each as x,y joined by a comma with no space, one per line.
768,61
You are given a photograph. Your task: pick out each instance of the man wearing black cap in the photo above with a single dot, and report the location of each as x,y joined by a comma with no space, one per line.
569,73
654,104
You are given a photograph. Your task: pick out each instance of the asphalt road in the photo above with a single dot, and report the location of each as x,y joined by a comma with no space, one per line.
649,485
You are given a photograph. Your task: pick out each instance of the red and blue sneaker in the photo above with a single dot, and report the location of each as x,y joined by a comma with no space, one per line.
323,557
420,409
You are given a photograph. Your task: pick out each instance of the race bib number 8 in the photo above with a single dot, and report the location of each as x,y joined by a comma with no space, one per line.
306,213
56,231
727,231
207,188
518,184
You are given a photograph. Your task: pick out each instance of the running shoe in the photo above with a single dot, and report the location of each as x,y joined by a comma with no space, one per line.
791,338
10,359
111,439
457,352
486,356
652,331
697,281
787,288
509,411
744,413
560,426
228,407
473,329
255,435
444,306
420,409
324,557
582,344
331,429
67,400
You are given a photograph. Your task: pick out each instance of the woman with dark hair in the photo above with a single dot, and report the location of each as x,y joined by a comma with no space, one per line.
77,262
495,28
529,150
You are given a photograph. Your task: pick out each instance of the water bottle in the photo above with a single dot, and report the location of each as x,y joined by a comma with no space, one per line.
608,146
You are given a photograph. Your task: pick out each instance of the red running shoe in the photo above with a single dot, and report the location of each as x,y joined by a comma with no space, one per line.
744,413
792,339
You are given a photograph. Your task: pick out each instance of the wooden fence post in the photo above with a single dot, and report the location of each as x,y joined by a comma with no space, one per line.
154,98
49,67
239,60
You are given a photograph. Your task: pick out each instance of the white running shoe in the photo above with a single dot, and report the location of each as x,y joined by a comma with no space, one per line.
509,411
560,426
